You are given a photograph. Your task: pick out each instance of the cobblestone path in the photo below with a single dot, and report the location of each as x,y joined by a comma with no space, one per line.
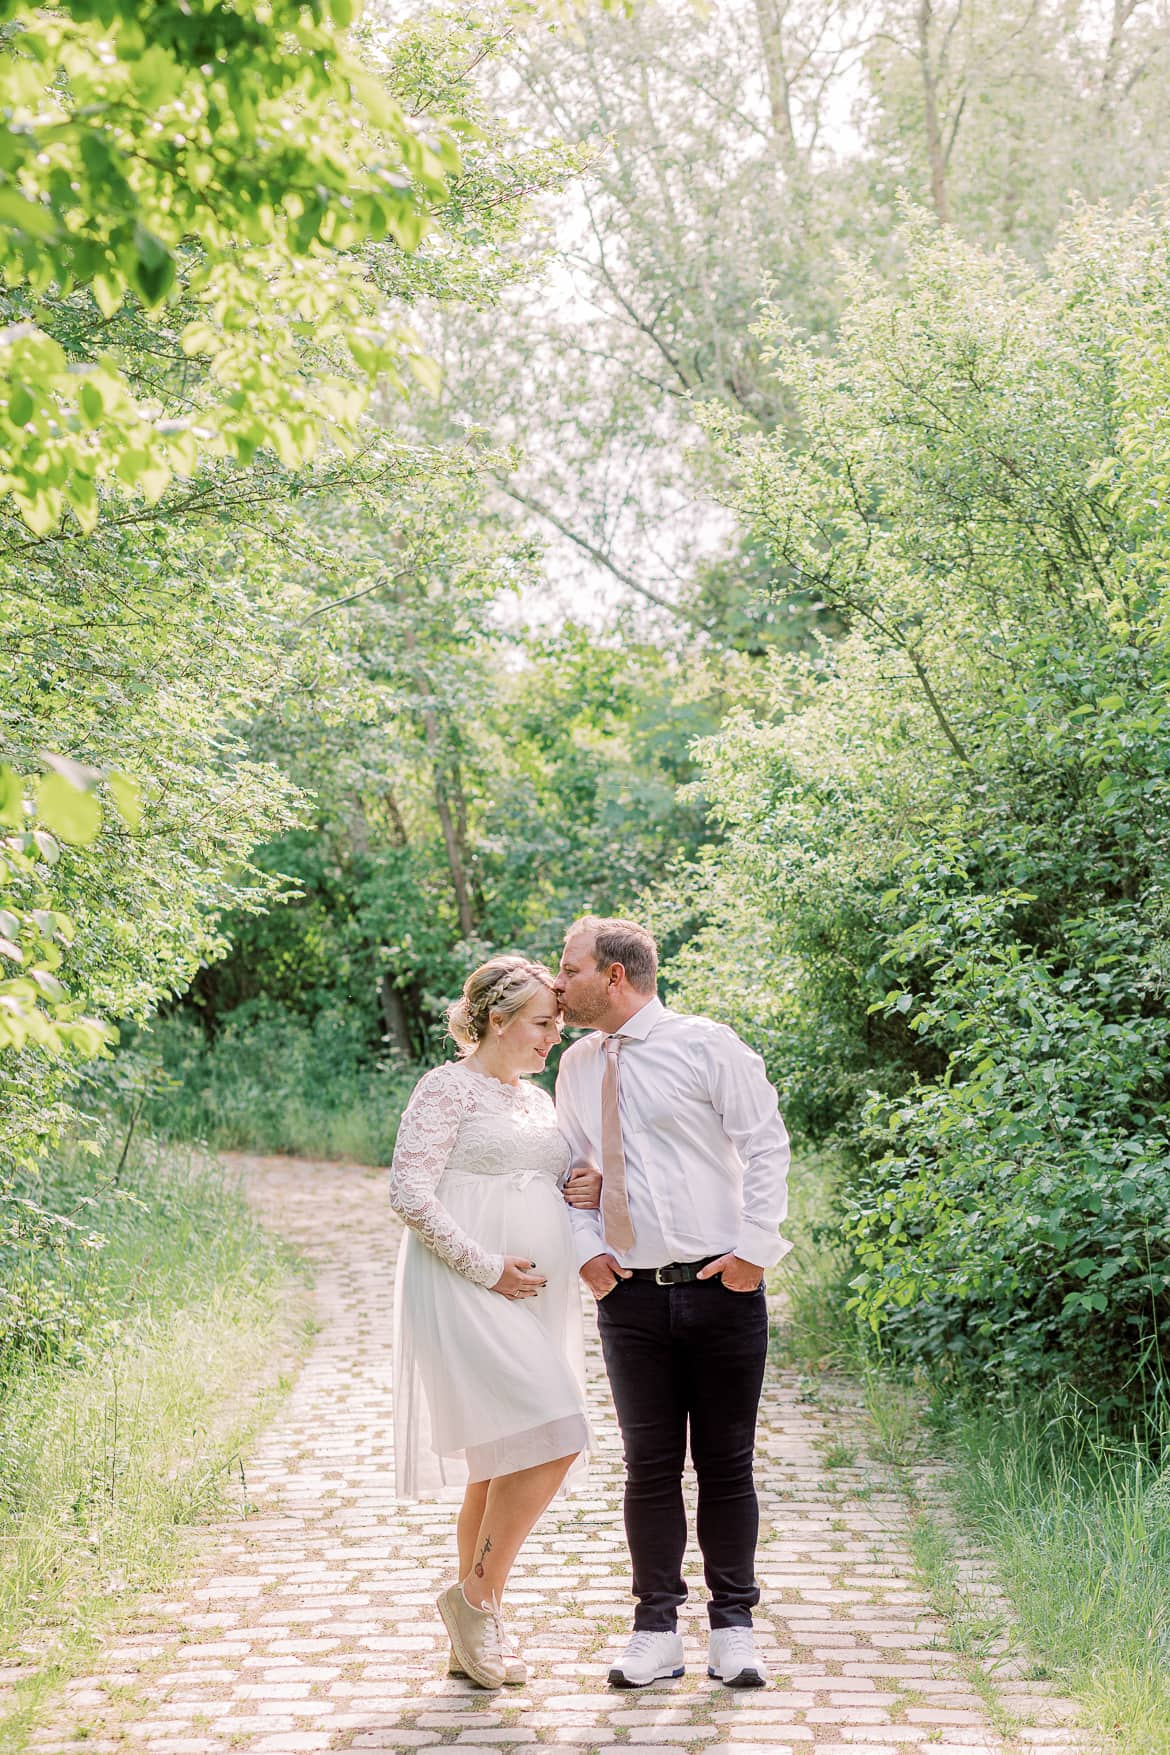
311,1624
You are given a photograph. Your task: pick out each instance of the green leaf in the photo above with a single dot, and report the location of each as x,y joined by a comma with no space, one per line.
21,406
109,294
49,985
152,267
427,371
77,773
128,797
11,798
89,400
28,216
72,814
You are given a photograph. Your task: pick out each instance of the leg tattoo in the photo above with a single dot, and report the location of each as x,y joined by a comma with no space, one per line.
483,1554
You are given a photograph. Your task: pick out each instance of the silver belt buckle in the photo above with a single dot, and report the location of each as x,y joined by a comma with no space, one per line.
658,1279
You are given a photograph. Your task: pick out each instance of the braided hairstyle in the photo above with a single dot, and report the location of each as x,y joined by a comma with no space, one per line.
503,986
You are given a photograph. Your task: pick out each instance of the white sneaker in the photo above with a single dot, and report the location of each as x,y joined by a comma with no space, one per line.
731,1658
475,1637
649,1657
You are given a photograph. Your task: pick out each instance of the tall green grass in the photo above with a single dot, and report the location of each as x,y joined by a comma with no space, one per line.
1079,1525
270,1082
1075,1520
126,1423
813,1329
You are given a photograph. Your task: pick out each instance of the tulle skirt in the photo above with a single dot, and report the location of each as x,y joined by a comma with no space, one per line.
484,1385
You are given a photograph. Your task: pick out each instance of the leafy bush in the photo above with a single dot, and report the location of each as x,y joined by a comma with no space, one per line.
1015,1214
945,857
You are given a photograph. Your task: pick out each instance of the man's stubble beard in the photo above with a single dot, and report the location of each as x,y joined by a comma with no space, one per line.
579,1019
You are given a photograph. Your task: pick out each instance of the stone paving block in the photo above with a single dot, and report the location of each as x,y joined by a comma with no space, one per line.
381,1744
309,1625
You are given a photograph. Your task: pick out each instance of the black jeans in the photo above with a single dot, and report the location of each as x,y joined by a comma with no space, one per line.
677,1355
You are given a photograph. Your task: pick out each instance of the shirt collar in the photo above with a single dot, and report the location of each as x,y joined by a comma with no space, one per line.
640,1025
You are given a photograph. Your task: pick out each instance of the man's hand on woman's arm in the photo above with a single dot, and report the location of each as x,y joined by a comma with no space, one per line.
583,1188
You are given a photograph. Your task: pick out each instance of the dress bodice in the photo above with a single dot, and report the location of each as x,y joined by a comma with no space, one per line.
506,1130
460,1122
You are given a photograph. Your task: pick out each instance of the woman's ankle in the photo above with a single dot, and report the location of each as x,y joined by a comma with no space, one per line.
478,1595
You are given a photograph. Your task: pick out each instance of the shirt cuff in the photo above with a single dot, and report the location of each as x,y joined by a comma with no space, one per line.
761,1246
588,1244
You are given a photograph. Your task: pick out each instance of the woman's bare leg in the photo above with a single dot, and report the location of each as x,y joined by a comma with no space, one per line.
467,1526
513,1504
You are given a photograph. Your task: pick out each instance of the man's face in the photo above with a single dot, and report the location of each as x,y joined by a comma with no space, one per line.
581,987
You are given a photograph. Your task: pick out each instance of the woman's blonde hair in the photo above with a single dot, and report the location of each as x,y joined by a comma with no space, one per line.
503,985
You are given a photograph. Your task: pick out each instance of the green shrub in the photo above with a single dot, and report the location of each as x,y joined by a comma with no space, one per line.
274,1081
940,904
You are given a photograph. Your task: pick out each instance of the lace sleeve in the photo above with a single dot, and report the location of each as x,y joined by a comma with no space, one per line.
426,1135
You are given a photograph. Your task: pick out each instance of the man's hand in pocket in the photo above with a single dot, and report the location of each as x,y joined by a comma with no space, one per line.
601,1274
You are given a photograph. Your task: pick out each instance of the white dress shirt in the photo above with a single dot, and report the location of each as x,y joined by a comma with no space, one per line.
706,1151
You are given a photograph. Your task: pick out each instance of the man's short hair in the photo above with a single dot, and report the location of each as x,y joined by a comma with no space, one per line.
624,942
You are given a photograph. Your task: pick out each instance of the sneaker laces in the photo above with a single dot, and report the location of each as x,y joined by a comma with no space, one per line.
641,1642
737,1646
495,1640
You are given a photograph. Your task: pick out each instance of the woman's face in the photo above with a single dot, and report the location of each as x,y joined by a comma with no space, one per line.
531,1032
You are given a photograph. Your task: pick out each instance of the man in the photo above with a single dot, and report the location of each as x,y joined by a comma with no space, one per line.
694,1157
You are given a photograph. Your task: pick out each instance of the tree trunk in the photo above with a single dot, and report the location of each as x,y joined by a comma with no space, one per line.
394,815
439,764
770,24
454,855
935,151
394,1014
463,839
1123,11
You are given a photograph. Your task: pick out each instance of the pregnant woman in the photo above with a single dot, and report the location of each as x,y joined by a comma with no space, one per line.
488,1353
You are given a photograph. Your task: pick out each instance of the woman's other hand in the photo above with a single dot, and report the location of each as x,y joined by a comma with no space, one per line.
583,1187
518,1279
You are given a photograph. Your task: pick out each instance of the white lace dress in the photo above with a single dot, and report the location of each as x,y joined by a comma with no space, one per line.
483,1385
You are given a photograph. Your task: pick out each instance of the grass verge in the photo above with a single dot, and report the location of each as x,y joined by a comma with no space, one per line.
1074,1523
1079,1527
134,1427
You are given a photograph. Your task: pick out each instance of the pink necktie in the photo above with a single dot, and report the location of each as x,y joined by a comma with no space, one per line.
615,1206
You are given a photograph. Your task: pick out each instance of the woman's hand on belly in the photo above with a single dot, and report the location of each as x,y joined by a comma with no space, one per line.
518,1279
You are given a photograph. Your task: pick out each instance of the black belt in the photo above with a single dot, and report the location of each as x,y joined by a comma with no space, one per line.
675,1273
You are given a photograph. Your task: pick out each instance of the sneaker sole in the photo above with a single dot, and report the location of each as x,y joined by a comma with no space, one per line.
453,1669
466,1665
619,1679
745,1679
